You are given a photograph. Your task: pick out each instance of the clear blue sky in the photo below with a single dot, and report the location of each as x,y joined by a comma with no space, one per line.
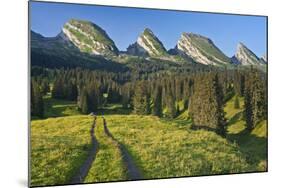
124,25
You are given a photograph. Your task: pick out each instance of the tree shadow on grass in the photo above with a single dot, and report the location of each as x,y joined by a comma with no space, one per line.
235,118
115,110
254,148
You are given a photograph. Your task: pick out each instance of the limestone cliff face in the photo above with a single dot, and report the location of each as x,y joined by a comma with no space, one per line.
89,38
147,45
245,56
201,50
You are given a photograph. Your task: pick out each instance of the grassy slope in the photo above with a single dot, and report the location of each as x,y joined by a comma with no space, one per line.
165,149
59,146
108,165
160,147
252,144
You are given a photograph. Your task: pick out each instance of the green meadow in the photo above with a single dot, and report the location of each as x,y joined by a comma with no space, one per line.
160,147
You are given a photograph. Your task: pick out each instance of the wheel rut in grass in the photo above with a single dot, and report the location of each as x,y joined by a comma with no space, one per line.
84,169
133,171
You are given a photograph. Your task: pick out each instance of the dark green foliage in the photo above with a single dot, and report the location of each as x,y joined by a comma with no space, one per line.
141,100
37,104
94,97
236,102
171,104
157,107
202,91
206,105
255,99
84,101
249,111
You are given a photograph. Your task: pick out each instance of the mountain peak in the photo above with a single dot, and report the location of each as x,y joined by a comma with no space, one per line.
147,31
245,56
201,49
89,37
147,44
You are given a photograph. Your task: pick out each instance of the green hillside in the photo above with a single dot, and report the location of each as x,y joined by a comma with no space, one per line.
159,147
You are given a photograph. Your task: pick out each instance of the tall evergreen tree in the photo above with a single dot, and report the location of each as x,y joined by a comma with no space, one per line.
206,105
141,99
84,101
171,104
157,108
37,101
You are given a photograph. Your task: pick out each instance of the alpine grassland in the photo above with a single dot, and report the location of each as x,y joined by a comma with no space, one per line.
163,148
253,144
160,147
59,146
108,164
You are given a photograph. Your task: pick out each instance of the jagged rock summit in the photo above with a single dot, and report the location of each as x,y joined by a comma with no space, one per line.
245,56
147,45
89,38
201,49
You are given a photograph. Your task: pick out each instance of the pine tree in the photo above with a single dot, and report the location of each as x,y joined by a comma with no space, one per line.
37,101
255,99
157,108
171,104
248,111
206,104
219,119
84,101
141,100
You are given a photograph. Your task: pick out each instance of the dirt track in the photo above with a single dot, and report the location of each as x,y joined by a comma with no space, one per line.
84,169
133,171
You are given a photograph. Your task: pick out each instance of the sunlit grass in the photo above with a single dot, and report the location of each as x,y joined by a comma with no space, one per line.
58,148
167,150
252,144
108,165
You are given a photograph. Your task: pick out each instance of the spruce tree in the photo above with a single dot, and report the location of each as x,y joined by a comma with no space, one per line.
84,101
206,104
249,110
157,108
141,99
37,101
171,104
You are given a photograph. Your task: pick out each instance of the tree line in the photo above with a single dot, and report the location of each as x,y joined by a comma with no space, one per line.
163,94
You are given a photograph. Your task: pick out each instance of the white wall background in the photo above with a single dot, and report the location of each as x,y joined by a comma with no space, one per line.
13,93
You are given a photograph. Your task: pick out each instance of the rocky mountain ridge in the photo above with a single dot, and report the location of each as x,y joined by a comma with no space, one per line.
87,37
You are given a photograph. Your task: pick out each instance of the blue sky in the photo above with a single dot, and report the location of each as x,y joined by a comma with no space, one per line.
124,25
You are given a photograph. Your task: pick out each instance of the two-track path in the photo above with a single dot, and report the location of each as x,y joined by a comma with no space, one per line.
133,171
84,169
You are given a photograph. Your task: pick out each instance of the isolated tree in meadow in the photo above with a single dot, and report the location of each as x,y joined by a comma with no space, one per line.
157,108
